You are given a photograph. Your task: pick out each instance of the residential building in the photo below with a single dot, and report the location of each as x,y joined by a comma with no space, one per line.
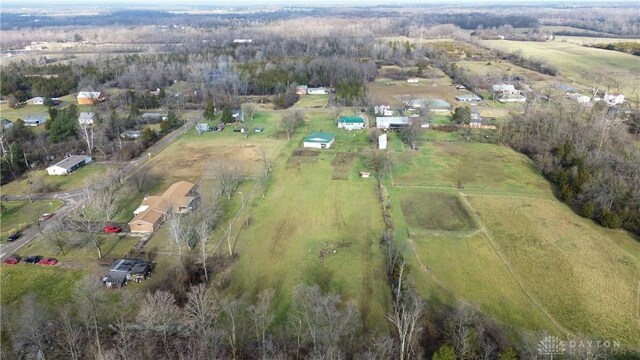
87,118
351,122
179,198
35,120
153,118
413,80
317,91
301,89
122,271
614,98
319,140
203,127
468,98
131,134
38,100
69,165
90,97
582,99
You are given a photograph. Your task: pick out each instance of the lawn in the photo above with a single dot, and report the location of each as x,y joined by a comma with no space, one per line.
51,285
312,101
113,246
73,181
474,166
24,212
577,63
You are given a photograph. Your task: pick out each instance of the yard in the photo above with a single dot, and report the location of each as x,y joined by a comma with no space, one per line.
16,214
72,181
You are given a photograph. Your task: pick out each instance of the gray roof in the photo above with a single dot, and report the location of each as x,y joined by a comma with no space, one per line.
35,118
503,87
71,161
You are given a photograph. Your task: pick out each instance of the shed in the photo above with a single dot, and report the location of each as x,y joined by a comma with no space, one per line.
319,140
392,122
38,100
317,91
203,127
68,165
350,122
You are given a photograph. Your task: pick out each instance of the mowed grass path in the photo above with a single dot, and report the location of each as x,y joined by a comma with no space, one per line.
577,62
532,263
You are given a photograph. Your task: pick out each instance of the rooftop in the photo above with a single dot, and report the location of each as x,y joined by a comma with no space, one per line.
351,119
71,161
320,137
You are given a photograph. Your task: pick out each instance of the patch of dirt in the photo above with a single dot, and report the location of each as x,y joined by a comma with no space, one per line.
342,165
332,248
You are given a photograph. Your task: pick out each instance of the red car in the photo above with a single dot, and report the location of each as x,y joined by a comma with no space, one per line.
45,216
111,229
48,261
12,260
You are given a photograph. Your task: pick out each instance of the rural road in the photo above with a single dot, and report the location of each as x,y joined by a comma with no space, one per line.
73,198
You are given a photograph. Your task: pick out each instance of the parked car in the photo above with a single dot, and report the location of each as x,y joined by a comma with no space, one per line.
237,130
32,259
218,128
111,229
12,260
45,216
14,237
48,261
259,130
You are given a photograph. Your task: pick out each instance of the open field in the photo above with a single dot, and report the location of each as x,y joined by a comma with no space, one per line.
577,63
51,285
532,262
585,40
312,101
24,212
73,181
425,210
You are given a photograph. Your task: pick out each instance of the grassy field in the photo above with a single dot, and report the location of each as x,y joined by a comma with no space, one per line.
24,212
531,263
312,101
114,246
73,181
51,285
577,63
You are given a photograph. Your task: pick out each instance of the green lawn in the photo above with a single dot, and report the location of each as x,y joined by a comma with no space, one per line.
312,101
24,212
425,210
113,246
52,285
73,181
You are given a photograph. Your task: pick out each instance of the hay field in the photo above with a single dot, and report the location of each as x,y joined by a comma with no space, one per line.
578,63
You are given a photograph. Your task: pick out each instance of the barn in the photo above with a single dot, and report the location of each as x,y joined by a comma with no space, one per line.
319,140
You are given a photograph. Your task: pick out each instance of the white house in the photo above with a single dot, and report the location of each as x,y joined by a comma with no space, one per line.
613,99
202,127
319,140
317,91
582,99
68,165
392,122
351,123
131,134
35,121
383,110
504,89
468,98
413,80
242,41
87,118
38,100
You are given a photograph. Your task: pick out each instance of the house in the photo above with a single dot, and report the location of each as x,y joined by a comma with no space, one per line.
69,165
582,99
38,100
87,118
319,140
317,91
382,141
203,127
392,122
504,89
153,118
6,124
301,89
468,98
435,105
506,98
478,122
613,99
90,97
351,122
179,198
237,115
131,134
383,110
122,271
413,80
35,120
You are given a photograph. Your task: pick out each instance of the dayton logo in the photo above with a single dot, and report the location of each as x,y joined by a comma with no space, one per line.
551,345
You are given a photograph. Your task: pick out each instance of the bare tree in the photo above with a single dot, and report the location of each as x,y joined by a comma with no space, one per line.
160,315
405,316
228,174
202,312
262,318
248,112
461,329
87,133
232,322
144,180
73,335
290,122
412,134
89,300
32,327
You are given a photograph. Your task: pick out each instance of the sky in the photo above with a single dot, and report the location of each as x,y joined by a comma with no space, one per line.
222,3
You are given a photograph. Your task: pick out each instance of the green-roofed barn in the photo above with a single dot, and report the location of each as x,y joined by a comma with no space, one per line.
319,140
351,122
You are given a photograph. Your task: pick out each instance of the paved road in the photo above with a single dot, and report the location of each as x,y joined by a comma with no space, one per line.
72,199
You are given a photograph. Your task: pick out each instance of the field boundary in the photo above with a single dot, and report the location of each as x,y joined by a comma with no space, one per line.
506,263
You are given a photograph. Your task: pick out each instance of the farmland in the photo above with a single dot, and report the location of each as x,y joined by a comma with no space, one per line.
577,63
577,279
